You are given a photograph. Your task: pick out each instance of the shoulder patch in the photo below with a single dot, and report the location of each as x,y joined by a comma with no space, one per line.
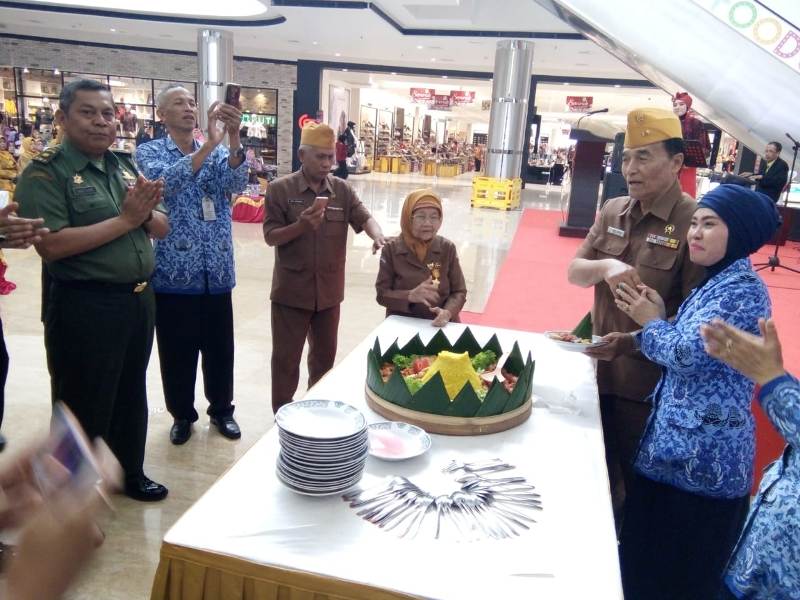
48,154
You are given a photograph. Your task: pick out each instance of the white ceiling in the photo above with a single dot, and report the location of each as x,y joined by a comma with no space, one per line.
353,35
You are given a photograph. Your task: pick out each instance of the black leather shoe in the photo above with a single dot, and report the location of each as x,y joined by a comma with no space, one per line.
144,489
180,432
227,427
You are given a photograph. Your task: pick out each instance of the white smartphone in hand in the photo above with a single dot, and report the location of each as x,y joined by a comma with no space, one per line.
66,459
320,203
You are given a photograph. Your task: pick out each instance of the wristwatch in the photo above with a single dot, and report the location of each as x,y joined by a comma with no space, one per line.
238,153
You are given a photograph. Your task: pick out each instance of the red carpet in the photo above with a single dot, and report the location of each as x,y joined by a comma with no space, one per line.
532,293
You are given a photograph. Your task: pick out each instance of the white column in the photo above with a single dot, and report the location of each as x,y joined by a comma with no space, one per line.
513,61
215,64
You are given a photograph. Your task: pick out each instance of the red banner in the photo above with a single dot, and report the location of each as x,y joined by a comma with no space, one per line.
579,103
441,102
422,95
459,97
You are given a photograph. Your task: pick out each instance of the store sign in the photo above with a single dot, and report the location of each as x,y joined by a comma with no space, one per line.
304,120
422,95
579,103
459,97
441,102
759,25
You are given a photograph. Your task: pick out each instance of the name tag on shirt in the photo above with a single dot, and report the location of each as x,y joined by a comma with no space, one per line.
209,212
339,208
661,240
86,190
616,232
296,201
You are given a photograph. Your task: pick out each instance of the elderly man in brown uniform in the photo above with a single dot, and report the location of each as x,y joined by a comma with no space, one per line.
636,239
306,220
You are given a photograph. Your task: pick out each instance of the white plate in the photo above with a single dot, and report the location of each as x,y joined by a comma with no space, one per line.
304,492
320,419
574,346
390,440
324,458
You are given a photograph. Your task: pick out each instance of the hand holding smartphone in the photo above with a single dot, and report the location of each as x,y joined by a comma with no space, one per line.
320,203
233,95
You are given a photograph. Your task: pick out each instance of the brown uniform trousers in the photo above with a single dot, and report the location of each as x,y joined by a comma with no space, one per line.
308,281
401,271
655,244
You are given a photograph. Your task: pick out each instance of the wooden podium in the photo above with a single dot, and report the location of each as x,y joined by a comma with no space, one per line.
586,176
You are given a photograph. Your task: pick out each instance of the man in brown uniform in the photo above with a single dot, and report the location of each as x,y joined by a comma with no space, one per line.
306,220
636,239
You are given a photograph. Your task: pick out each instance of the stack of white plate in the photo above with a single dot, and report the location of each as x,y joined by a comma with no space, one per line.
324,445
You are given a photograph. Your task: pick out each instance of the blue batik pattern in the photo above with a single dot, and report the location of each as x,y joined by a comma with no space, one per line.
765,565
197,255
700,436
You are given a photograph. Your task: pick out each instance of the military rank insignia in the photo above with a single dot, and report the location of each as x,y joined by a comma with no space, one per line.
661,240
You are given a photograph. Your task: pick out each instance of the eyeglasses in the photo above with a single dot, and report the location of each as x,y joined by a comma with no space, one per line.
432,219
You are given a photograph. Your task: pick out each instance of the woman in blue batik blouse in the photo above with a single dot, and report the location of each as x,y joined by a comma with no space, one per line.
694,467
765,565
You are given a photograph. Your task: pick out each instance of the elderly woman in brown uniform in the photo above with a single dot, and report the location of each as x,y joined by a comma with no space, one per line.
420,275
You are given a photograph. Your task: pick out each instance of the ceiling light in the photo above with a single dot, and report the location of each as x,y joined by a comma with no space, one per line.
565,83
197,8
314,43
444,76
56,72
112,29
617,85
433,59
393,73
25,70
116,83
338,54
420,47
345,70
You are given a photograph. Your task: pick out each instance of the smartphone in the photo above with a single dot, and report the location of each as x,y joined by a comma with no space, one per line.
69,447
320,202
232,95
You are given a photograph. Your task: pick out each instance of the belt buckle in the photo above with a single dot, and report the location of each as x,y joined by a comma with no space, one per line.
140,287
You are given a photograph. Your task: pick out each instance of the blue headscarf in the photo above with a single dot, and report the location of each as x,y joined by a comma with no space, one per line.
751,217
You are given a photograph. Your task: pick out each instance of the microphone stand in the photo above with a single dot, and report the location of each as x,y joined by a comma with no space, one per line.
774,261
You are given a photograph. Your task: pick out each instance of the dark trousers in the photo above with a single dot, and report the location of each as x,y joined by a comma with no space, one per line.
623,425
98,345
674,544
341,170
188,325
3,372
477,165
290,328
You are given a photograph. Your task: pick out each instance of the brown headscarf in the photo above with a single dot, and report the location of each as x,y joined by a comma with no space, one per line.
424,198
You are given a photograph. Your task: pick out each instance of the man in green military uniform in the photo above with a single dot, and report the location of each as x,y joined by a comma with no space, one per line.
100,312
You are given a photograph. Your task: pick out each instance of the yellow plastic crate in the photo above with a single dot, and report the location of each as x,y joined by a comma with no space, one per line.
383,164
491,192
429,167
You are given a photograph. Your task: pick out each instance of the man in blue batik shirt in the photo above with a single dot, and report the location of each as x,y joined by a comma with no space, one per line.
194,272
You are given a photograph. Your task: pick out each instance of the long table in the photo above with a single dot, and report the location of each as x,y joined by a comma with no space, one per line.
274,543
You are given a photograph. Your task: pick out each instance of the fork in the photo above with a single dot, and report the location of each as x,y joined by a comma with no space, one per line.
490,465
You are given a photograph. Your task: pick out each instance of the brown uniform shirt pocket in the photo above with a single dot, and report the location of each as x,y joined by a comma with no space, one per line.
611,245
657,257
335,222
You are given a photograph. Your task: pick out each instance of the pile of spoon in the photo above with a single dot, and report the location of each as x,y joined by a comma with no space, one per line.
484,507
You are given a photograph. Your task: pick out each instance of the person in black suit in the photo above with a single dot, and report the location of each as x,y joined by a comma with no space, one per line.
773,172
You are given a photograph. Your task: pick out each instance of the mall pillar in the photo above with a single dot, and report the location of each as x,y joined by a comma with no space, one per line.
215,64
508,119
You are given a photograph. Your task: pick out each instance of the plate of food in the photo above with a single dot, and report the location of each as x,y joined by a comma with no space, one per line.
390,440
566,340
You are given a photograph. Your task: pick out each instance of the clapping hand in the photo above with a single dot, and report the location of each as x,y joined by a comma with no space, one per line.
16,232
642,304
140,200
426,293
758,358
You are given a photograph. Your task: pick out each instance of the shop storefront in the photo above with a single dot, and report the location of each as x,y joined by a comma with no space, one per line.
30,99
407,124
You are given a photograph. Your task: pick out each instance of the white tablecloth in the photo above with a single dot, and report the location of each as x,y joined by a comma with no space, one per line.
570,553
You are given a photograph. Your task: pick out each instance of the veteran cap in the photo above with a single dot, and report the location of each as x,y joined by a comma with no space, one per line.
318,135
650,125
